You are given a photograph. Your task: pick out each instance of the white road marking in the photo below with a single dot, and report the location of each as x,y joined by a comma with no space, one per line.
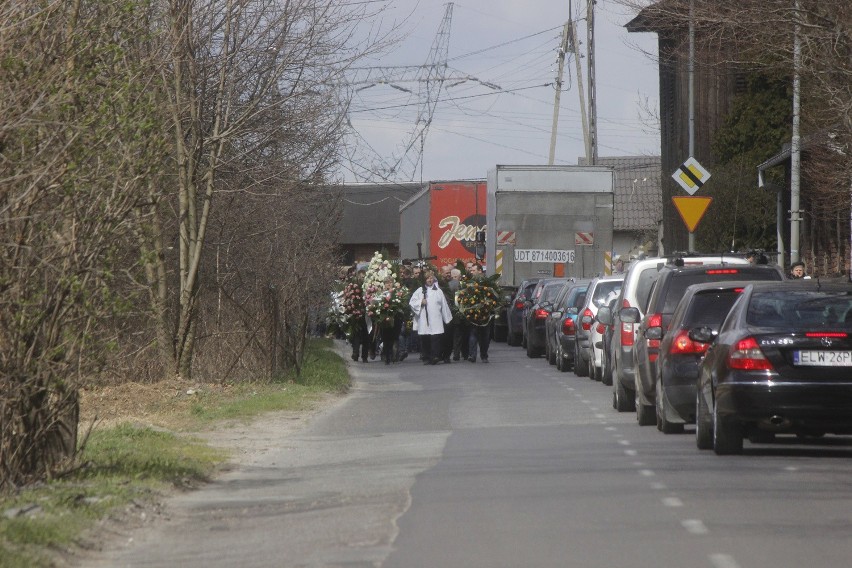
611,428
672,502
630,453
657,486
791,468
624,442
694,526
646,473
723,561
600,416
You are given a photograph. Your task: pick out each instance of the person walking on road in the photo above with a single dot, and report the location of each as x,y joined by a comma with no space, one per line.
431,313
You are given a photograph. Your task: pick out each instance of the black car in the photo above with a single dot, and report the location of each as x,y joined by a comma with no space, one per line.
605,318
501,319
781,363
702,305
666,292
561,326
515,312
538,309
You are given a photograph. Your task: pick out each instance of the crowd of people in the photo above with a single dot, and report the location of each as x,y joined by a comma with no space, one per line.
391,310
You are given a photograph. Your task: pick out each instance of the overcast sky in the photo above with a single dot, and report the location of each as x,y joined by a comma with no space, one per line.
496,106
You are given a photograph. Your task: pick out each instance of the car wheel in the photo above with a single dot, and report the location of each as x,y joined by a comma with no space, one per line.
727,435
531,353
703,424
622,399
664,425
512,339
645,414
558,358
580,369
606,370
551,357
524,340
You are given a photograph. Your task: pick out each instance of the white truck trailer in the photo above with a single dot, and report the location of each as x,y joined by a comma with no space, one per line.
549,221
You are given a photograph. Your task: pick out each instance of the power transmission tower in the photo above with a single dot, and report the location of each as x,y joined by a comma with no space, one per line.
590,61
429,77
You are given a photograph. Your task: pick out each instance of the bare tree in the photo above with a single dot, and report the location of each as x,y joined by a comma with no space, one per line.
239,74
78,138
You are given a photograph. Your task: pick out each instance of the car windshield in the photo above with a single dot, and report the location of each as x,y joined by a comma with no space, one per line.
710,308
677,285
802,309
603,289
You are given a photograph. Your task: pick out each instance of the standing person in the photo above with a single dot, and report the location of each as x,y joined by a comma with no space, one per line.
353,304
480,316
431,312
460,327
390,330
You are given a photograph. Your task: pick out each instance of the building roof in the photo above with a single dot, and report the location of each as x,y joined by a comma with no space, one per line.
638,197
371,211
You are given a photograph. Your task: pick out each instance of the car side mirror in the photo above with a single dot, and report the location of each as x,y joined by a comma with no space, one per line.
572,311
702,334
556,314
604,316
629,315
654,333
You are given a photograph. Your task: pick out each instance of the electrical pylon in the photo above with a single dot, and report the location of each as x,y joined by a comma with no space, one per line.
430,78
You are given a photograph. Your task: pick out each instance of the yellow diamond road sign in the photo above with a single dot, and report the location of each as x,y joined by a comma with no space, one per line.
691,176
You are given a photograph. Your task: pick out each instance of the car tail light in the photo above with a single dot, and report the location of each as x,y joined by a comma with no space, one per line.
519,305
587,318
541,313
600,328
747,356
683,345
568,327
837,334
654,320
626,330
722,271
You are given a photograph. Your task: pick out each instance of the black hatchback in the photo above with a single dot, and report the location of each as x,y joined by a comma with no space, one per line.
781,363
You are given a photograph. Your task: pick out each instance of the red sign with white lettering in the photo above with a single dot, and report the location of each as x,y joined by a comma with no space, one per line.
457,212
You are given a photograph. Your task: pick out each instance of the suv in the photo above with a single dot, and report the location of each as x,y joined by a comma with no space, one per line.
584,356
515,312
635,292
550,323
538,309
667,291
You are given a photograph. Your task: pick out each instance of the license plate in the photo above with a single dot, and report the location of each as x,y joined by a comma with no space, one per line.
823,358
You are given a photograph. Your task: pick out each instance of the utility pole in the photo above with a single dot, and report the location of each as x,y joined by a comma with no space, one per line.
576,49
563,47
691,63
590,61
796,141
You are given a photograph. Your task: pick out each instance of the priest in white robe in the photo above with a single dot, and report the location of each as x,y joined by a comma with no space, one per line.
431,312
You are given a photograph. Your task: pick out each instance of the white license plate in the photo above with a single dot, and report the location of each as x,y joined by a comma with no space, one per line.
823,358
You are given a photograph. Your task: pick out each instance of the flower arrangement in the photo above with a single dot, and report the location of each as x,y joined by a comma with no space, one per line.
478,299
377,272
385,306
352,302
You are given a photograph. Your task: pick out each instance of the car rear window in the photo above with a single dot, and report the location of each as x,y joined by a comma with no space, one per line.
644,283
801,309
603,289
570,299
580,299
551,291
679,282
709,308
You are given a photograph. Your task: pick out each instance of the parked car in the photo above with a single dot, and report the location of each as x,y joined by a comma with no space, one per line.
703,305
666,292
536,314
549,348
561,325
501,319
605,321
584,356
781,363
596,333
515,312
635,292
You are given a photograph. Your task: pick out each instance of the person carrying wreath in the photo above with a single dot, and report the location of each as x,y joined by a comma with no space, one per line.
478,301
431,313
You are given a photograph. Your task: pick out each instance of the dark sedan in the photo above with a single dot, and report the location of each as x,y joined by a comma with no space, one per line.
501,318
515,312
781,363
677,367
536,314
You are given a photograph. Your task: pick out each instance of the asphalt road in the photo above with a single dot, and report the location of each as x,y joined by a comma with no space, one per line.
509,464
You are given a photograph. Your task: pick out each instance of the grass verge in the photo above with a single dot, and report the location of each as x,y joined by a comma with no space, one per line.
130,466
